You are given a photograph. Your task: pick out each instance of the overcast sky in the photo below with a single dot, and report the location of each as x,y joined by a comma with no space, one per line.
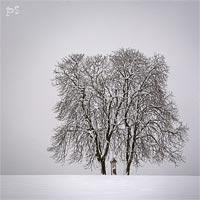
42,33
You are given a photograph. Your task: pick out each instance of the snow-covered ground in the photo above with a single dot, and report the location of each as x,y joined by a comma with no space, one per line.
81,187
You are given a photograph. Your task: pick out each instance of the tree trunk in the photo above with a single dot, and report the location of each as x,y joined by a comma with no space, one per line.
128,167
103,167
128,141
129,161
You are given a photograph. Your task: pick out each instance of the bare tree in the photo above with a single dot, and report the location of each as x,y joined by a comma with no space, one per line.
152,130
88,110
116,105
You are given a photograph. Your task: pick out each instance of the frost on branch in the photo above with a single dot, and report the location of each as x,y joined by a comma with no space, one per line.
116,104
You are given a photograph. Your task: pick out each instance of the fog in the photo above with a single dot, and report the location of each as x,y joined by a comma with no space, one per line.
44,32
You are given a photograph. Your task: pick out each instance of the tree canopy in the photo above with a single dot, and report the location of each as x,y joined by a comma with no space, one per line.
116,105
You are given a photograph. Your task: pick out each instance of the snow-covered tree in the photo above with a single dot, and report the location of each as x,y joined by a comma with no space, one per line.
116,105
88,110
152,130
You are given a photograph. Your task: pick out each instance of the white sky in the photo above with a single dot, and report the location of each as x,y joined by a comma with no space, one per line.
44,32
